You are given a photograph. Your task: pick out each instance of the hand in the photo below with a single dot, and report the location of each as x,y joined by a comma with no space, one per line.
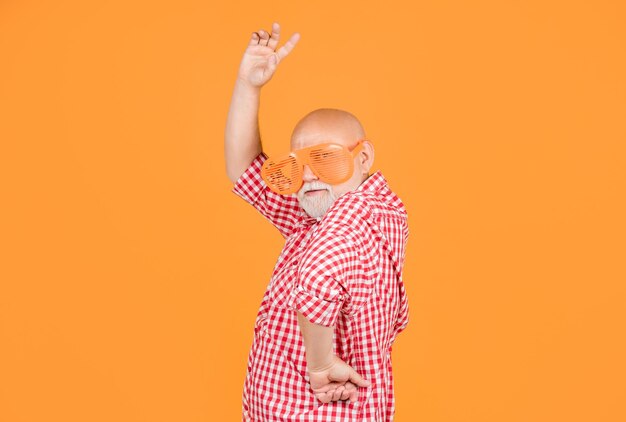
340,391
261,58
338,381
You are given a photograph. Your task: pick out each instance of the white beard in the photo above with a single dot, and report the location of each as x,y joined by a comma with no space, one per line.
317,205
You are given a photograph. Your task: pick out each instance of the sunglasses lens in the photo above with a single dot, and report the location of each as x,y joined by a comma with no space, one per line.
282,174
332,163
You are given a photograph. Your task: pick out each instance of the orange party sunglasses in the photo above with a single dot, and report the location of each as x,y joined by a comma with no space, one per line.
332,163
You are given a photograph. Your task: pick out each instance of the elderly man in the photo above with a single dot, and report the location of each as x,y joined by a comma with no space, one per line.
335,302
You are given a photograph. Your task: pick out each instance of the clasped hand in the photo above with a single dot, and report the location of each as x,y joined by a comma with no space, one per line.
337,381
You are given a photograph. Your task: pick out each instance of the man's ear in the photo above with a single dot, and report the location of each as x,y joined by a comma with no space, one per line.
366,156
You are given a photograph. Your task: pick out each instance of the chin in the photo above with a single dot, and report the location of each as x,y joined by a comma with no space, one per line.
312,210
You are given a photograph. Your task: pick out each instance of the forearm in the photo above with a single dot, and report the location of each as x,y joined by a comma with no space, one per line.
242,140
318,343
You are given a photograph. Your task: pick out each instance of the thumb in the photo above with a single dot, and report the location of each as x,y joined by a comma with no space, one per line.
358,380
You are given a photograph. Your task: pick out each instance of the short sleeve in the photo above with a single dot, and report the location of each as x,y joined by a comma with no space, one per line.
323,277
283,211
339,268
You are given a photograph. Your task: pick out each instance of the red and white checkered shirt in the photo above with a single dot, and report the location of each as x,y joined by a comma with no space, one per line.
344,270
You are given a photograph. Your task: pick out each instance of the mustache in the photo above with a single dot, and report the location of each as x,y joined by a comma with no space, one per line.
314,186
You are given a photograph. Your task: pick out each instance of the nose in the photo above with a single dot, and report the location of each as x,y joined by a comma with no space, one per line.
308,175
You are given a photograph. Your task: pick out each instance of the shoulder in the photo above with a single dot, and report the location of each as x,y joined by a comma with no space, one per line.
351,214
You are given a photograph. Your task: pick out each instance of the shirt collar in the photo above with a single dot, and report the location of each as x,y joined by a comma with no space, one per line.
375,183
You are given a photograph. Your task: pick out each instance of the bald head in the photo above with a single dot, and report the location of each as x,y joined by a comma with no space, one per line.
327,125
336,126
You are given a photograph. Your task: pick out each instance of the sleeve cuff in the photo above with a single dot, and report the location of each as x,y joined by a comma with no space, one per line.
318,311
250,184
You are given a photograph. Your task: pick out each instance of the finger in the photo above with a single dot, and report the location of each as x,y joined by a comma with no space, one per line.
327,387
275,37
323,397
289,45
254,39
264,37
335,384
350,387
354,397
350,392
337,394
358,379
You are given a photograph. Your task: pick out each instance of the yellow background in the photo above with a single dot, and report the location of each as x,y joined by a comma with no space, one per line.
131,275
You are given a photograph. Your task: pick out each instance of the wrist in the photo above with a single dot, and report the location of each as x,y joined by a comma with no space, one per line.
322,364
243,84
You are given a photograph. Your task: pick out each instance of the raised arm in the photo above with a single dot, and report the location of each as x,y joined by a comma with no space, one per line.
242,140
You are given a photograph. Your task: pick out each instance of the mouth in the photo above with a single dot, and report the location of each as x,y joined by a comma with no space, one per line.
313,192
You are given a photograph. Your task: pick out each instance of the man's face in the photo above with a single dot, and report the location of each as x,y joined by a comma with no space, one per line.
315,196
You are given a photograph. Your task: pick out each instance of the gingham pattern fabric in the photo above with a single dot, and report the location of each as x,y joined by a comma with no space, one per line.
342,269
